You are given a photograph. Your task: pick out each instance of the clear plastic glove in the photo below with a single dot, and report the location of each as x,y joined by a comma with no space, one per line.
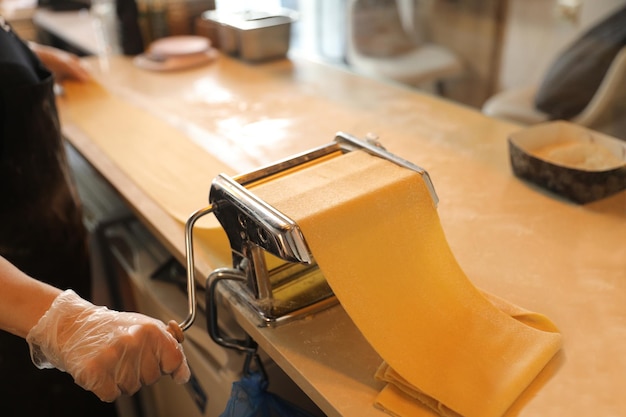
107,352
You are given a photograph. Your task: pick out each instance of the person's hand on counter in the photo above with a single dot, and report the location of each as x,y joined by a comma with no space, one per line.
64,65
107,352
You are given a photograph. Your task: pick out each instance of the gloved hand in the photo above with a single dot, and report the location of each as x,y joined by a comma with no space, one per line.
107,352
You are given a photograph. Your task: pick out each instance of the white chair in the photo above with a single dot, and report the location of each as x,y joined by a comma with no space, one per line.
606,108
420,65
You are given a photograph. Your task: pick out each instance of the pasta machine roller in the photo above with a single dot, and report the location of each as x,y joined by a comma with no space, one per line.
273,271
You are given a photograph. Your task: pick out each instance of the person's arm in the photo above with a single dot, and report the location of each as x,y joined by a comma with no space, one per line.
62,64
23,300
107,352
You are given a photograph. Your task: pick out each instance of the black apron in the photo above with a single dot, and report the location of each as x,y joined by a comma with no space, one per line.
41,229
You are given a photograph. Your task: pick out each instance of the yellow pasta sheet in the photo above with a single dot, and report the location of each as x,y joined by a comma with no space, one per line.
375,233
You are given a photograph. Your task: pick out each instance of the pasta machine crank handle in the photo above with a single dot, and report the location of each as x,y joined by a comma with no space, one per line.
177,329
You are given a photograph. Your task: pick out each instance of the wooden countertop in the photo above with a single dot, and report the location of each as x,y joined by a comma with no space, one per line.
532,248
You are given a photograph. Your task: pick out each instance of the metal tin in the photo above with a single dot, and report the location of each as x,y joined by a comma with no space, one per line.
251,35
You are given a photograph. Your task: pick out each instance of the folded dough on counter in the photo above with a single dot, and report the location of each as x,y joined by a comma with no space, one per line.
375,233
399,397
